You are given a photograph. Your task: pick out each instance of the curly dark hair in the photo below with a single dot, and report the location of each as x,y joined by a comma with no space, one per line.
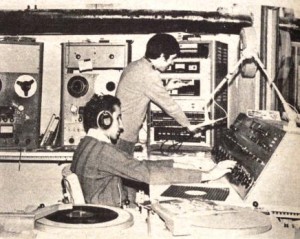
95,106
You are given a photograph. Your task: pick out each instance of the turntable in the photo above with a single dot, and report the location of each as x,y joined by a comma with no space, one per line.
65,221
207,218
84,221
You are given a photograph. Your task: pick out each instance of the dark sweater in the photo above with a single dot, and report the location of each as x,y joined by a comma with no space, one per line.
100,167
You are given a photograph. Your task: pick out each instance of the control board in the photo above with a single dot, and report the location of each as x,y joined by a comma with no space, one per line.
201,65
251,142
166,128
166,134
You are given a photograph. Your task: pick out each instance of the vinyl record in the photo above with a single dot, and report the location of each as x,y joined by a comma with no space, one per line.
85,221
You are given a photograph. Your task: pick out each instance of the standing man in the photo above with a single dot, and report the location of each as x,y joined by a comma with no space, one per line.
140,83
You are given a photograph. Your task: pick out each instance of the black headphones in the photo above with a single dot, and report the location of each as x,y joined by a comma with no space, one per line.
104,119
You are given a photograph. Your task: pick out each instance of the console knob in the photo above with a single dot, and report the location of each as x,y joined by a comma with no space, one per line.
74,109
21,108
255,204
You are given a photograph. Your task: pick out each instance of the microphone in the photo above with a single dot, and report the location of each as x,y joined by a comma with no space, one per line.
208,122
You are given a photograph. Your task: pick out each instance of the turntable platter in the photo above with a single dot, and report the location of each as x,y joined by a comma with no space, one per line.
239,222
203,218
83,215
85,219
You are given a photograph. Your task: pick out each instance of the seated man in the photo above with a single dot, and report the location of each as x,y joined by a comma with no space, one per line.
100,165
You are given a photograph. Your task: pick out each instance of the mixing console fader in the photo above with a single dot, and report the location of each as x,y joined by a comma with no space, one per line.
251,142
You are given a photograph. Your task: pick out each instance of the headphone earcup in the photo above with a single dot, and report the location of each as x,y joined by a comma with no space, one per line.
105,119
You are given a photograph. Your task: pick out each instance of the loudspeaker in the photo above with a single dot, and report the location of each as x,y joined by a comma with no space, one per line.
104,119
87,69
20,94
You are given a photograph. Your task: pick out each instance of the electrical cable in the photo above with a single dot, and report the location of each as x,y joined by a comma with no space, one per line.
294,108
170,148
20,157
179,146
161,147
216,103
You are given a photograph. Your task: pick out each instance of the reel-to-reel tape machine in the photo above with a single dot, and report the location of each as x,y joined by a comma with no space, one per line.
88,68
20,94
78,89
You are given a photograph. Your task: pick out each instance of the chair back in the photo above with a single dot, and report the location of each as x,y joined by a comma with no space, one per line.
71,186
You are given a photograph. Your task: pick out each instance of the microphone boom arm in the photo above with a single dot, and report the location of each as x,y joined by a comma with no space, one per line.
292,116
226,79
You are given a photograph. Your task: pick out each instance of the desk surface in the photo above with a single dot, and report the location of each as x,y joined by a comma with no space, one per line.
278,231
66,156
139,229
233,197
46,156
205,157
38,156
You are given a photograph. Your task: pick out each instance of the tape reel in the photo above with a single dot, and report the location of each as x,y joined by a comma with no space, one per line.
25,86
106,82
78,86
248,45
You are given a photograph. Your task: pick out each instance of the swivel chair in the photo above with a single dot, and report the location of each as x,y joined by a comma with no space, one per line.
72,192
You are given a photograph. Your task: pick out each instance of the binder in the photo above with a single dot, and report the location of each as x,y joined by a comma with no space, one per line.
49,135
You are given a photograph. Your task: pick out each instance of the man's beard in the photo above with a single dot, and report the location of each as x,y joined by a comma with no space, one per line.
114,141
